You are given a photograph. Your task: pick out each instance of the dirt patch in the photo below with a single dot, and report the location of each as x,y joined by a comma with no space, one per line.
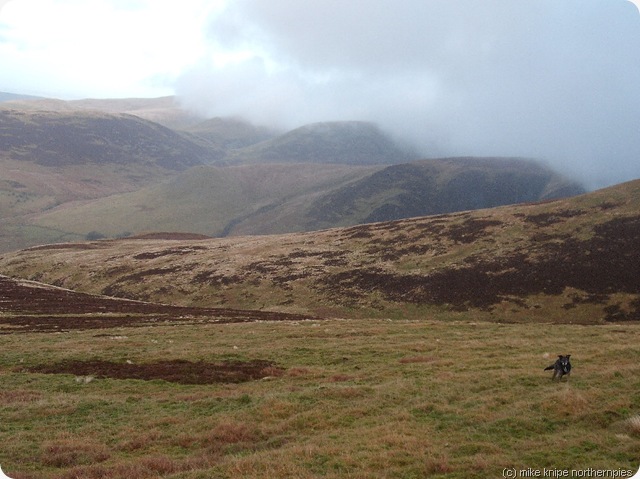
175,371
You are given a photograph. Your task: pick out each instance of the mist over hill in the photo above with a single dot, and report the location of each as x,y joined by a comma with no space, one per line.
103,168
230,133
344,142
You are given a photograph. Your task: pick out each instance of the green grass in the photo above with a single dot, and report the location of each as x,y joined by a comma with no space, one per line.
360,399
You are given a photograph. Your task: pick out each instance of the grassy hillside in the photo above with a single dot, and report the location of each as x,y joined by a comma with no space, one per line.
279,198
316,399
49,158
574,260
418,385
28,188
347,142
207,200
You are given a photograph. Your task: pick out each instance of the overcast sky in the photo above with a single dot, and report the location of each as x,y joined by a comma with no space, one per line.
552,79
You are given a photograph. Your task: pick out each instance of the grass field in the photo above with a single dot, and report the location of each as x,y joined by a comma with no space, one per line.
334,399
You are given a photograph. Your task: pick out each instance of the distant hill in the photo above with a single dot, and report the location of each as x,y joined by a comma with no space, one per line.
4,96
49,158
54,138
207,200
280,198
439,186
164,110
230,133
344,142
573,260
76,169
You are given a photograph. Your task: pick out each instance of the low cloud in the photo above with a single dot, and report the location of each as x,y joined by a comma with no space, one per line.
553,80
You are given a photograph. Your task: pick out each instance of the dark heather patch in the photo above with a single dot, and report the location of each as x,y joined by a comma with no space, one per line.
175,371
607,263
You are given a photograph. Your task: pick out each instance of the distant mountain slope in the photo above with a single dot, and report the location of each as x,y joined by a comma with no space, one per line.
49,158
63,138
230,133
345,142
5,96
206,199
573,260
280,198
440,186
164,110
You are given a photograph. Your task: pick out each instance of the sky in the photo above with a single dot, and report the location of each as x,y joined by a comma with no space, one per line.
557,80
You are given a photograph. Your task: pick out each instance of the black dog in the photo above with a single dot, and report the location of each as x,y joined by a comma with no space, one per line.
562,367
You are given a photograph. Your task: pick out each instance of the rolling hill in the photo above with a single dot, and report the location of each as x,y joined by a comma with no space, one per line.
164,110
49,158
439,186
573,260
96,167
343,142
230,133
208,200
281,198
53,138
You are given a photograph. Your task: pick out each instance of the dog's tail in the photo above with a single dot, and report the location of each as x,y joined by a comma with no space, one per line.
549,368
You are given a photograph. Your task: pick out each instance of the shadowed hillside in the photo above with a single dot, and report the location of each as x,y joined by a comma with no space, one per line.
573,260
27,306
440,186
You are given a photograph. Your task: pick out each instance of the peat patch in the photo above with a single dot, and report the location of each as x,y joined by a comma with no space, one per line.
32,307
175,371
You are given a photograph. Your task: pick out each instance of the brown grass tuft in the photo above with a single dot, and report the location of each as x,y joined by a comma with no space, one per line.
437,464
418,359
135,442
633,423
298,372
73,452
566,402
19,396
230,433
341,378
